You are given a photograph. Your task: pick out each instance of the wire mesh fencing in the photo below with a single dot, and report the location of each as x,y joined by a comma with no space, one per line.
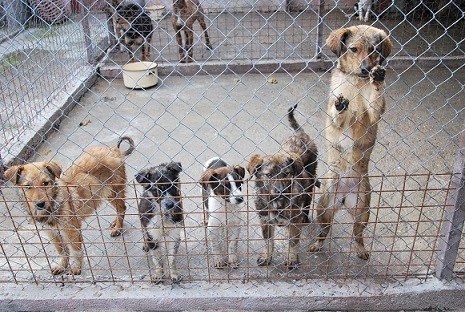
269,55
403,233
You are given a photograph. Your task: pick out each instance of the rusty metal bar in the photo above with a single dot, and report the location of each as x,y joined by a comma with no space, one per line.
454,218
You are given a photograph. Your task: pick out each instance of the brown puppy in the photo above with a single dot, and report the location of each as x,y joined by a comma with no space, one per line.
284,185
356,103
185,13
62,201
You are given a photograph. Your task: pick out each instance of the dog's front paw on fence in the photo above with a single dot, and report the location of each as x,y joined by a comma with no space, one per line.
341,103
377,73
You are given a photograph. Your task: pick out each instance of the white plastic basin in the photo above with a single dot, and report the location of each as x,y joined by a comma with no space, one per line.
140,75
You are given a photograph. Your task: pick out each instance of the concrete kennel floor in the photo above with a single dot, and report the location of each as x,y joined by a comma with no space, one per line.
190,119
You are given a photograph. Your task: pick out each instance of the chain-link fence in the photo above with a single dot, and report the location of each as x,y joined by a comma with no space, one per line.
231,101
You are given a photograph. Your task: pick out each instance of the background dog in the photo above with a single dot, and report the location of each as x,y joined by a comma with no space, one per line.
161,215
136,27
185,13
62,201
363,9
222,197
284,185
355,106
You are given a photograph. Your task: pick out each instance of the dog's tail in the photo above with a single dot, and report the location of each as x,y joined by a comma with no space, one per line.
131,145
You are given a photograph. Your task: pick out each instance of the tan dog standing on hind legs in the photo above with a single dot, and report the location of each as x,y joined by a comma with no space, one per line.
185,13
356,103
62,201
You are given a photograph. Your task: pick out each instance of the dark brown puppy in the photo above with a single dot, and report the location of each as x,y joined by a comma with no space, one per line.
356,103
284,185
62,201
185,13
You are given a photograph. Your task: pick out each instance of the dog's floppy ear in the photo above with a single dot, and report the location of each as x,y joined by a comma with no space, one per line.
143,176
53,168
174,166
254,164
13,174
384,46
206,178
336,40
240,171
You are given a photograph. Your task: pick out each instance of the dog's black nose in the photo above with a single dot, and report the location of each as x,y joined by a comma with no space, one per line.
365,71
169,205
40,205
239,199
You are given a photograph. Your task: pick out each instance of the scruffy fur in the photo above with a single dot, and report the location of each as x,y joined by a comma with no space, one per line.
62,201
185,13
356,103
284,185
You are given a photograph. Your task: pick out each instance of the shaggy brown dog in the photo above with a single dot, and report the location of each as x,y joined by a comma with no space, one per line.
354,109
185,13
62,201
284,185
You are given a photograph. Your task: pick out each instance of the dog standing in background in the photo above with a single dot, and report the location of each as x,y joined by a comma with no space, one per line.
284,188
136,28
222,198
356,103
161,216
363,9
62,201
185,13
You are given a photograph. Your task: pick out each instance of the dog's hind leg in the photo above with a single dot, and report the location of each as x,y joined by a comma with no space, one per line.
326,209
62,249
358,203
189,42
120,206
203,25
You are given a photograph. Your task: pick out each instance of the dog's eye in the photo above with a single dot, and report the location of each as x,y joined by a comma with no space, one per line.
47,183
354,50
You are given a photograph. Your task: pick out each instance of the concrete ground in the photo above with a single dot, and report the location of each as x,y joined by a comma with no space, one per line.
235,116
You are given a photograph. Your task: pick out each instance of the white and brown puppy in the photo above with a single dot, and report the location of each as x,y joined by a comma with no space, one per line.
222,197
356,103
161,216
62,201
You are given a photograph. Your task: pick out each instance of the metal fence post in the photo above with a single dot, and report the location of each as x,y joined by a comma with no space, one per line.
453,218
84,10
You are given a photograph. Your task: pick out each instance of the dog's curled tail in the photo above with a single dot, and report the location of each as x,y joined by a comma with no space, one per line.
131,145
292,121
